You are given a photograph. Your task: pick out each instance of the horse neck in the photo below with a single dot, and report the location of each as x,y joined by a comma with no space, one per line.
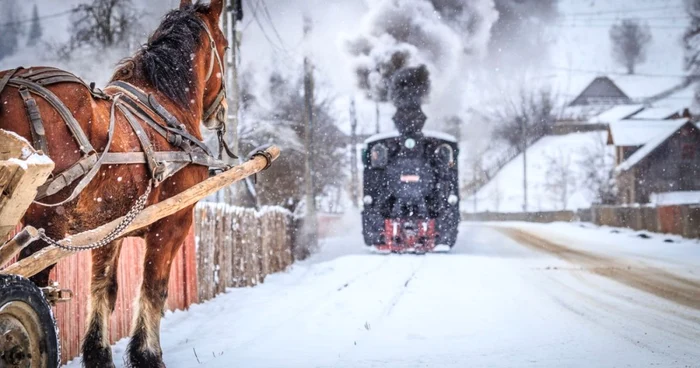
190,115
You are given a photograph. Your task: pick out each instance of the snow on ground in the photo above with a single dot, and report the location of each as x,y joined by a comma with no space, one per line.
683,255
504,193
490,303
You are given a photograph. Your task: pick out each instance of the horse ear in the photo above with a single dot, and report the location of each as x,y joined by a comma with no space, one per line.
216,8
185,3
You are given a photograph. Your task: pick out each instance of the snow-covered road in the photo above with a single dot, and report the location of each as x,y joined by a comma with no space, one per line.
493,302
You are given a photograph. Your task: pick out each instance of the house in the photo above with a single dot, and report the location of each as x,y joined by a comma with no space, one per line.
606,99
601,91
630,135
668,162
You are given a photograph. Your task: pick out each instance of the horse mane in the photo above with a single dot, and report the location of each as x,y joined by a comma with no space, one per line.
166,60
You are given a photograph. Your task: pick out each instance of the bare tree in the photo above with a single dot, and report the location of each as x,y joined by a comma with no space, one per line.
526,117
597,172
630,39
560,181
103,24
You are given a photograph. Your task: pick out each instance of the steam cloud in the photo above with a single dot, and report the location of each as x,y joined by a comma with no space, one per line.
443,35
452,38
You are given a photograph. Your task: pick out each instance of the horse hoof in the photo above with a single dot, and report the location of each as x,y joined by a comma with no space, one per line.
101,358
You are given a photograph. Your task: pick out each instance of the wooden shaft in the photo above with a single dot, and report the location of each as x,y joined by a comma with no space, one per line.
50,255
10,249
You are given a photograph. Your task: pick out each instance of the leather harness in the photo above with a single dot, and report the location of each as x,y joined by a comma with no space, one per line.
137,107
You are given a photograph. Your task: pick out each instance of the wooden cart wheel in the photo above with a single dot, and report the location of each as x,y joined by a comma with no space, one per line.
28,335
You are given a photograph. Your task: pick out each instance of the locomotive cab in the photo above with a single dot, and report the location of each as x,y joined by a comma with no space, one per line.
410,191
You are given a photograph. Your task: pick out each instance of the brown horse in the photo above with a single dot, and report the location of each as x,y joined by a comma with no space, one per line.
175,68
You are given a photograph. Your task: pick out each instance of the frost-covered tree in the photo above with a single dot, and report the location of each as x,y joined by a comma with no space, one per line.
597,170
35,29
283,125
10,27
524,117
560,180
629,40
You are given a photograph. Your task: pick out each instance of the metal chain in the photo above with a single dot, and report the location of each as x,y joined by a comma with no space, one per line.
113,235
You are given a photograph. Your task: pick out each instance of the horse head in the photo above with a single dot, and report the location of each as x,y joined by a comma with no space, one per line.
214,114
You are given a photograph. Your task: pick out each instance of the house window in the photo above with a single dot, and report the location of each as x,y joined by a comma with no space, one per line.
688,150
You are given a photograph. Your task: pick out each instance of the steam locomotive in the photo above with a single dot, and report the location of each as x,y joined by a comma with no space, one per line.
411,189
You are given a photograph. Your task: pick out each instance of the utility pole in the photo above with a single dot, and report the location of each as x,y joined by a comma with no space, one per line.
310,221
353,154
523,130
376,110
229,21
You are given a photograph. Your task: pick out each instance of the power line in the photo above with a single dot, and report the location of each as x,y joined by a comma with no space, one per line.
594,26
601,72
640,10
24,21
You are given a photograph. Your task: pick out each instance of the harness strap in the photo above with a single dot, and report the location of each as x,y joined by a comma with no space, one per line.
36,124
56,103
6,78
214,106
46,76
95,167
173,125
198,158
173,138
67,177
154,166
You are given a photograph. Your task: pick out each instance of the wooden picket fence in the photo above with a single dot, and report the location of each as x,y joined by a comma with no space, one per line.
228,247
681,220
239,247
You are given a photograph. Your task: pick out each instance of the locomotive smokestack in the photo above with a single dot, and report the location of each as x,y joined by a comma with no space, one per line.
409,88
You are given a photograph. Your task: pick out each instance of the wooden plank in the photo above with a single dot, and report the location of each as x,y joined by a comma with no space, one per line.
22,171
50,255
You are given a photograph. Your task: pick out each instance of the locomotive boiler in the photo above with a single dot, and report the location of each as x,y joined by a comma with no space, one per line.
410,181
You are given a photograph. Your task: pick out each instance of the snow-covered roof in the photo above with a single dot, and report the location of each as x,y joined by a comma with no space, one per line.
679,100
426,133
651,145
656,113
583,112
616,113
638,132
674,198
639,87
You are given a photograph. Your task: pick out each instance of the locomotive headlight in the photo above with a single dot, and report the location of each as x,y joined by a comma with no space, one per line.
452,199
410,143
367,200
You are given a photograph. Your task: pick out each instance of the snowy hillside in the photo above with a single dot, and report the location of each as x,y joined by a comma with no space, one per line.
505,192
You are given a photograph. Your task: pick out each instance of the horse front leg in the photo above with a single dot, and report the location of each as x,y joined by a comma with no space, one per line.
96,348
163,240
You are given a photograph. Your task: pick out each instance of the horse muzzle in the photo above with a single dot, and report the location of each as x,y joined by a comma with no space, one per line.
218,119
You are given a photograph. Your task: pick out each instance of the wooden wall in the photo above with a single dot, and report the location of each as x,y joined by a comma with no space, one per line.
74,273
